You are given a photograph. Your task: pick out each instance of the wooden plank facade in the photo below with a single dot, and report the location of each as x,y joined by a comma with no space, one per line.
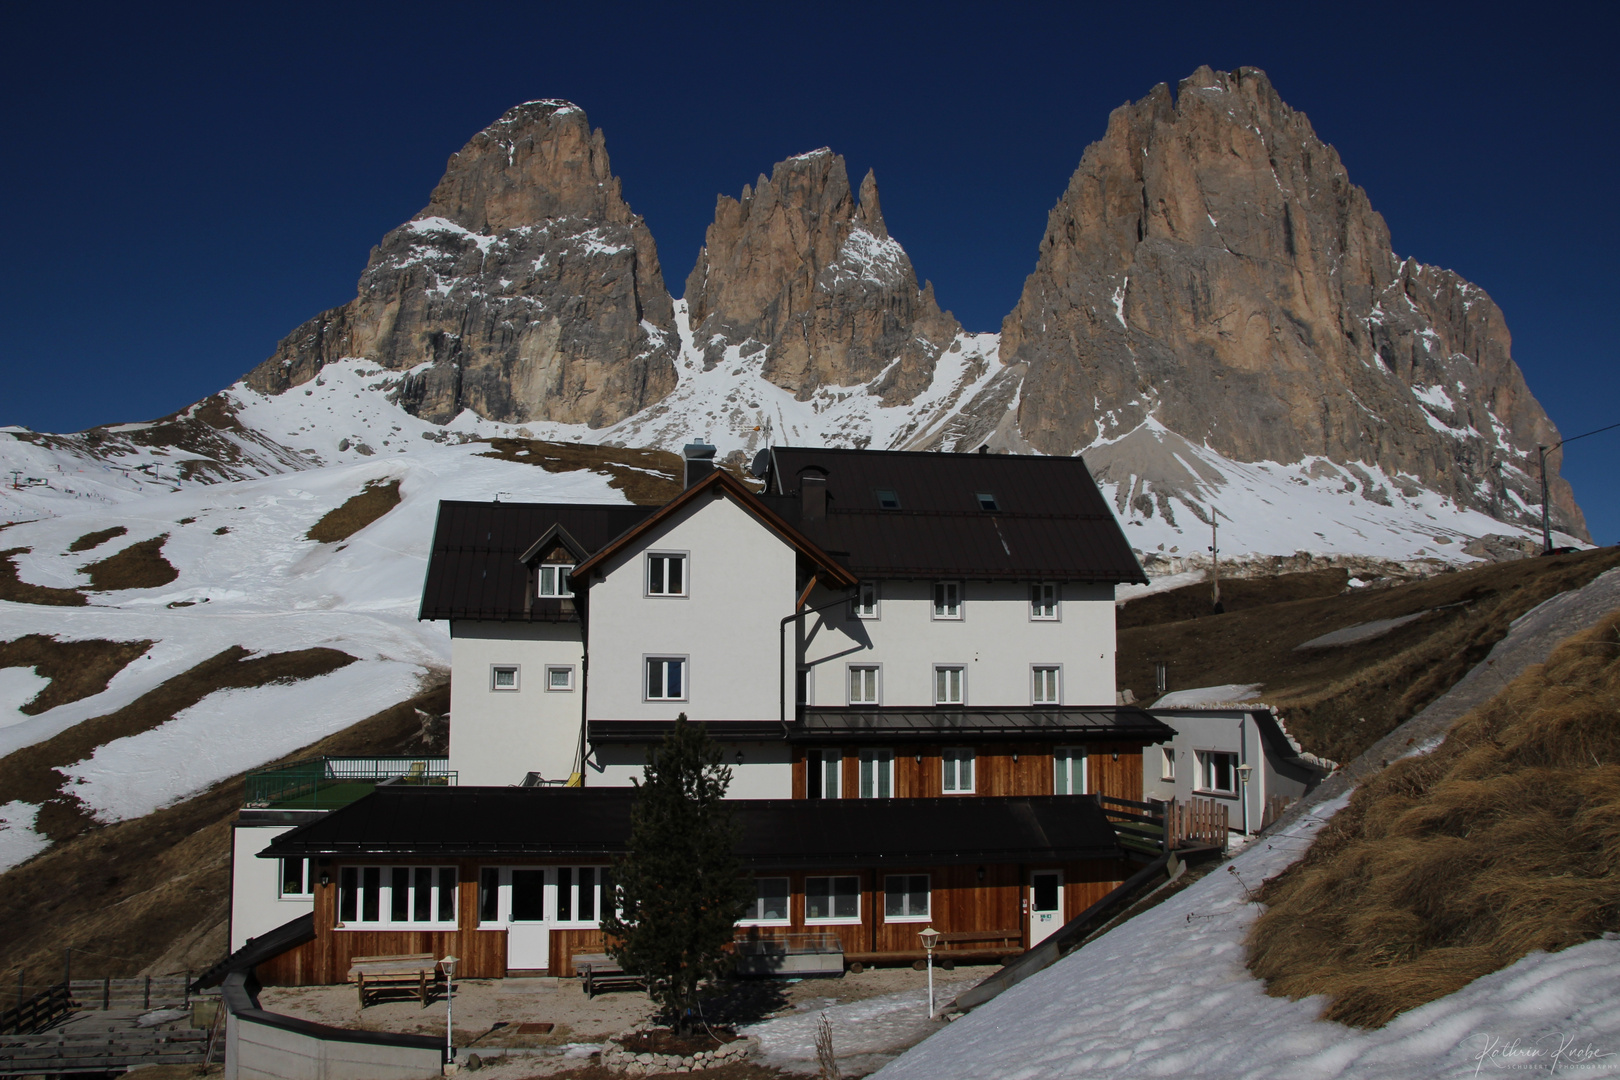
1000,769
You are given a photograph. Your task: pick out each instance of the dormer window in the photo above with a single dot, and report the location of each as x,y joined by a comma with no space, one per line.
553,578
987,501
888,499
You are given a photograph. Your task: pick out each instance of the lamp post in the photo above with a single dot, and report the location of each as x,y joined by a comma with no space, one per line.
1243,778
930,938
449,966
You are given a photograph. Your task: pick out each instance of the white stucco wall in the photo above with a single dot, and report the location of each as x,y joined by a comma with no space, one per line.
1236,733
995,640
496,736
765,771
256,906
740,579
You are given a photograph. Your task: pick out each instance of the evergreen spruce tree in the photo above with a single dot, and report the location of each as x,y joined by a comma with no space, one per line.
679,887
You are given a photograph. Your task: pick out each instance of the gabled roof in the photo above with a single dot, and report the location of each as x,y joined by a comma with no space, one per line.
475,568
1049,520
594,823
715,484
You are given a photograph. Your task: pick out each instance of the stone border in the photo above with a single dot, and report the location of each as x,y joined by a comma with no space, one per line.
618,1059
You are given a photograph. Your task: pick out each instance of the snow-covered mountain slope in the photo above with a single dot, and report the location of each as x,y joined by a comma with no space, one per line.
247,577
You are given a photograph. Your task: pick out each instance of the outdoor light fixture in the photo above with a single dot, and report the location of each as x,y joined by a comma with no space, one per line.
449,966
1243,771
981,873
930,938
739,753
326,878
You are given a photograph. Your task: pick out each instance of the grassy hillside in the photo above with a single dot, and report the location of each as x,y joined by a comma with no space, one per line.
1443,868
1340,700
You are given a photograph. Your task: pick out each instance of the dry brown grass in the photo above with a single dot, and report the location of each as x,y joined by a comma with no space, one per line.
32,773
1504,840
378,497
1237,594
139,566
647,477
96,539
18,591
156,890
77,669
1339,701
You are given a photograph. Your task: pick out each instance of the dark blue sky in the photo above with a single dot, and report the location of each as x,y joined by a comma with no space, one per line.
185,185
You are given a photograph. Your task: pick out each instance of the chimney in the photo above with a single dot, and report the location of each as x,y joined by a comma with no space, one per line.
812,495
699,459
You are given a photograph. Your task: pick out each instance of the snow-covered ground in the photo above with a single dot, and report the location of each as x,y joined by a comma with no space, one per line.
1167,995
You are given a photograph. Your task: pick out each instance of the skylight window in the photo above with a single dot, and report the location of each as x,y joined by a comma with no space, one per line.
888,499
987,501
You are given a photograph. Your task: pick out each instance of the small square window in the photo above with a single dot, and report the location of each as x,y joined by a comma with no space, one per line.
503,677
297,878
1217,771
987,501
863,685
770,901
666,575
957,767
888,499
948,679
559,677
905,898
1167,764
865,604
666,678
552,580
1043,601
947,599
1048,685
832,899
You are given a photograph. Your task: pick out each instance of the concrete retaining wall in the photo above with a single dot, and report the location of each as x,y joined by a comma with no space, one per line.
262,1045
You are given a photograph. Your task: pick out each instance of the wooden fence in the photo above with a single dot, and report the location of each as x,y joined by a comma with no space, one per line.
39,1012
1197,821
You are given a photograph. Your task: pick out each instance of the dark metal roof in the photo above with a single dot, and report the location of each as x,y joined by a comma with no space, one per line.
1122,722
593,823
1050,520
475,569
646,731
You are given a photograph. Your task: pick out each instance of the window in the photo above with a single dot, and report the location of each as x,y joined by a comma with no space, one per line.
1069,771
528,895
958,768
1043,601
832,899
1217,771
863,685
397,895
905,898
987,501
666,678
297,878
948,684
554,580
666,575
825,779
578,899
1048,685
947,599
888,499
877,774
1167,764
489,894
865,604
503,677
559,677
770,902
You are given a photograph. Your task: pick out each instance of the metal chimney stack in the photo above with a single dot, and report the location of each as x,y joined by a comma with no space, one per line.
699,460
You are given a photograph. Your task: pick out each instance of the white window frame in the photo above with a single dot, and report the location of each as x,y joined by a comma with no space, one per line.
1035,684
664,593
832,774
876,773
961,684
494,678
832,920
877,684
1063,771
649,659
552,670
947,612
1203,782
868,602
909,879
1045,602
1167,763
554,887
755,918
951,762
385,898
559,577
306,878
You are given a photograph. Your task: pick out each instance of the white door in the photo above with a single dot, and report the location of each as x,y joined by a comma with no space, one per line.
528,934
1045,904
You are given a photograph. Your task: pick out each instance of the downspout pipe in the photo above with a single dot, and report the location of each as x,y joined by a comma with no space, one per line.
781,651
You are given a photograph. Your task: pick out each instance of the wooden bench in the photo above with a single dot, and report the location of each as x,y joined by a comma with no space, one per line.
373,974
600,973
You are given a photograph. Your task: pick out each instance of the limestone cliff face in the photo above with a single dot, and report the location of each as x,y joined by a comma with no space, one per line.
1212,266
797,267
527,288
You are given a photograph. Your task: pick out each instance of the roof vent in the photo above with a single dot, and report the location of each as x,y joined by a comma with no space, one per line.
699,460
812,493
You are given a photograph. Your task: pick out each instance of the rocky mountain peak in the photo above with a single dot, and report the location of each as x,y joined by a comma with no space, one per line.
799,268
1211,268
525,290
